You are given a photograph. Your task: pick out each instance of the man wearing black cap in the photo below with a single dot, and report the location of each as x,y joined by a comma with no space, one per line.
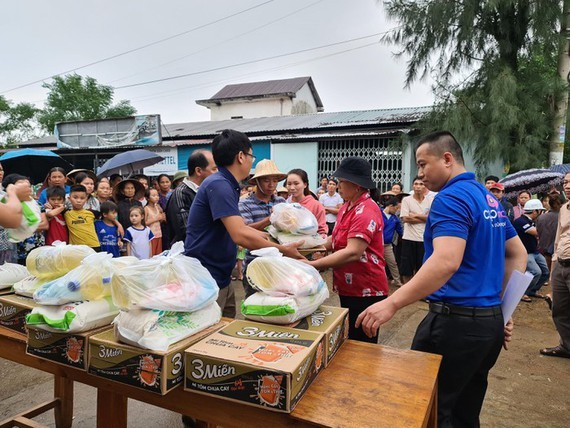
466,236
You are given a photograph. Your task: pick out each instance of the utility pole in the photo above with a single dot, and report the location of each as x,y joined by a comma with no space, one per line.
559,125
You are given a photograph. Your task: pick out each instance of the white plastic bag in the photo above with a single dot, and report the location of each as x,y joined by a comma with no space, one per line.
91,280
280,276
285,238
73,317
53,261
294,218
157,330
31,218
168,283
27,286
282,309
11,273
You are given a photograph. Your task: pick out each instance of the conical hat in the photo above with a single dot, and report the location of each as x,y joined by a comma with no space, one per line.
265,168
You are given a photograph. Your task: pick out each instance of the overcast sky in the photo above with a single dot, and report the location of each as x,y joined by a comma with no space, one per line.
42,38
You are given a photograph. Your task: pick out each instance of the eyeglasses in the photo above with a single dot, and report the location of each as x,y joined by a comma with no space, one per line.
249,154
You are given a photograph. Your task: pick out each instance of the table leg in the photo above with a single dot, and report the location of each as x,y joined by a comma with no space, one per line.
111,410
63,391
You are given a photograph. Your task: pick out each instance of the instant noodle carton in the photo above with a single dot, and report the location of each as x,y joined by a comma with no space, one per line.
70,349
13,311
332,321
259,364
154,371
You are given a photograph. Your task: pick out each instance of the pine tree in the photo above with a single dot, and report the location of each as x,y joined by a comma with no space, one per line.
495,67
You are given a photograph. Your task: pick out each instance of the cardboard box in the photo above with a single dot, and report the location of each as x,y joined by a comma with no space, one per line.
70,349
153,371
13,311
332,321
257,364
6,291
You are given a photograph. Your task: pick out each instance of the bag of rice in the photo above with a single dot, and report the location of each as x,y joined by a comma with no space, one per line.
11,273
73,317
27,286
282,309
157,330
53,261
294,218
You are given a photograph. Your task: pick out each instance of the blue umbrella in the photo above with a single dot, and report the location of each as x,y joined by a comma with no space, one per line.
32,163
129,162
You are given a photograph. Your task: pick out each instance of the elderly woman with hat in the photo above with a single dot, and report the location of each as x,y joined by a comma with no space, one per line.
256,208
357,243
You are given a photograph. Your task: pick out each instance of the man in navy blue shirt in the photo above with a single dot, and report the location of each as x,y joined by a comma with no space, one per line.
536,263
467,232
215,225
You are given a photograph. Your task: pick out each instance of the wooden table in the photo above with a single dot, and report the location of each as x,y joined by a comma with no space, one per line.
364,386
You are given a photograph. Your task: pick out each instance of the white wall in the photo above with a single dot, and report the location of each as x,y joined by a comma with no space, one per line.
250,109
305,94
288,156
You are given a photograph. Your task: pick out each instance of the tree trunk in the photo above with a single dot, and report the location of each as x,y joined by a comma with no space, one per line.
559,125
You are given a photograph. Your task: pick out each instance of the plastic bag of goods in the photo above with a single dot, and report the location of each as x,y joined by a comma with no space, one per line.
53,261
282,309
157,330
168,283
11,273
294,218
27,286
285,238
73,317
31,218
91,280
280,276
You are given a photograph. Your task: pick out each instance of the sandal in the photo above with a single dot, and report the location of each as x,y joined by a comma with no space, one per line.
548,300
536,296
556,351
233,278
525,298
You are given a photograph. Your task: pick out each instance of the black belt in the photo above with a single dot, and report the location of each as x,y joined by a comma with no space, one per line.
564,262
465,311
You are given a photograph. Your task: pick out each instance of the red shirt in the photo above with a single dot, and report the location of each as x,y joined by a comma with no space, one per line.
366,277
57,230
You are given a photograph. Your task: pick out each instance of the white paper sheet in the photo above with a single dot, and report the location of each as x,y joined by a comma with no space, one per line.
516,287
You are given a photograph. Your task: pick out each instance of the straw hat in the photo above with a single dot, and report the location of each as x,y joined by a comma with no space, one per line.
282,189
265,168
139,189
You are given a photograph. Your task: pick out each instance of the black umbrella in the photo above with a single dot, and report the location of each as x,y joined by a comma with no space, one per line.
32,163
129,162
532,180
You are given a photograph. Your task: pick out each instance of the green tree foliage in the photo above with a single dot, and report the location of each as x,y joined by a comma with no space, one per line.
495,67
75,97
17,122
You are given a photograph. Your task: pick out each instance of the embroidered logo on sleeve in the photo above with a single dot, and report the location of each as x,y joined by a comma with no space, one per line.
371,226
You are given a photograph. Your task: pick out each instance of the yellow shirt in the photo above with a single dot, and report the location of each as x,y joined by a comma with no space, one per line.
81,225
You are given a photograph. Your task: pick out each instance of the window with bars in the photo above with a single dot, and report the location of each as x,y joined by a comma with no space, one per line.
384,153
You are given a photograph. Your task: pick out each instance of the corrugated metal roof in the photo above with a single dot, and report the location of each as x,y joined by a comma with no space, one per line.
41,141
263,89
313,121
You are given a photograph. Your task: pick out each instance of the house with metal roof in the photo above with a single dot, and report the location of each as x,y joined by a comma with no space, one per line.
260,99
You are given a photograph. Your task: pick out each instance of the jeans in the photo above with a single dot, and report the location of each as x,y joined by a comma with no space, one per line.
536,266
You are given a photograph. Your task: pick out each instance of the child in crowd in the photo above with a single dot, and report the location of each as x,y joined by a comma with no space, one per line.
88,181
107,229
57,230
154,216
81,222
138,237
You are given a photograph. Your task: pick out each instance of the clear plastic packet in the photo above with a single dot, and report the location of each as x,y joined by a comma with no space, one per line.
53,261
294,218
27,286
169,283
280,276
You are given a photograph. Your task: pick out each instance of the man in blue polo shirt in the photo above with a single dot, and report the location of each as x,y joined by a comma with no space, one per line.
215,225
467,231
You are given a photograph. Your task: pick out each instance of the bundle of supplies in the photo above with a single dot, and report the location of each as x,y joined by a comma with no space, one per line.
288,289
53,261
169,283
89,281
293,223
164,300
73,317
11,273
157,330
31,217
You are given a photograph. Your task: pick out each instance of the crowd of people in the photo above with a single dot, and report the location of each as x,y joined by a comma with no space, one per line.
452,241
